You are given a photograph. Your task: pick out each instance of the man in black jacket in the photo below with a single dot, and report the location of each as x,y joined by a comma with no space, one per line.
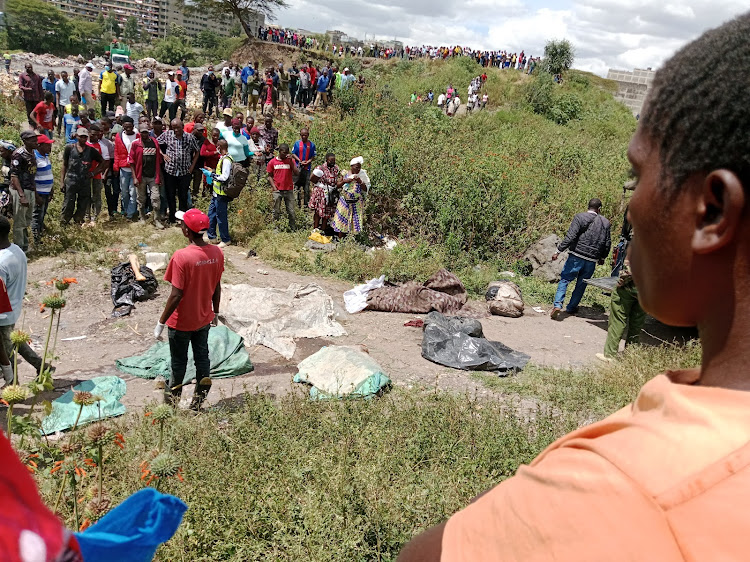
588,240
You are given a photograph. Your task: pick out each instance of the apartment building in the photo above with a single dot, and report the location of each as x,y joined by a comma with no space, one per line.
155,16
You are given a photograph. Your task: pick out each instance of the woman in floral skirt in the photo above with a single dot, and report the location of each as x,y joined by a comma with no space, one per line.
349,214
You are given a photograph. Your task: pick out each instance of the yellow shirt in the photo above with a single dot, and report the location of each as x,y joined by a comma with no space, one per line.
666,478
108,83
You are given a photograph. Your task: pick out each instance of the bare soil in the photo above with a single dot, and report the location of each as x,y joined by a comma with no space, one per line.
571,342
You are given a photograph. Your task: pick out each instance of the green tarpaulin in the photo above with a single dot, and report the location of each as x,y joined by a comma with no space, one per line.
64,411
227,352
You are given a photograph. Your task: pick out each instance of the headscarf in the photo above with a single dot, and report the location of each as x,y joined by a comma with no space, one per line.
358,160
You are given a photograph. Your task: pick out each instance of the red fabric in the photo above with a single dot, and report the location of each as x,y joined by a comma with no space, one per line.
313,74
96,146
24,519
282,172
188,128
195,270
42,112
210,154
121,153
135,160
5,305
183,91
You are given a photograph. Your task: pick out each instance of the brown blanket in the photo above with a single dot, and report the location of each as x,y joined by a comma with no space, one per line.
443,292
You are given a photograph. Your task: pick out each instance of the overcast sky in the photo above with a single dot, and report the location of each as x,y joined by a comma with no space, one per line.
606,33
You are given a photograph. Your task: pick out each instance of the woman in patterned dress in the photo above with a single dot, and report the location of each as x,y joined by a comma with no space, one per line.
320,201
350,209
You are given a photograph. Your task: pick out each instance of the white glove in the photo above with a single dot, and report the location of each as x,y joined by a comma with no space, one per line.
158,330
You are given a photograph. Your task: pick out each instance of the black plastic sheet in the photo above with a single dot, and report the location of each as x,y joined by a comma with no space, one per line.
460,343
126,291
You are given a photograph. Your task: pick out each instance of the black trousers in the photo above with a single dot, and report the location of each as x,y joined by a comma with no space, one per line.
178,350
108,102
177,186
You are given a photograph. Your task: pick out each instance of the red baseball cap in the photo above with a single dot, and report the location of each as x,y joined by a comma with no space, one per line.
194,219
44,139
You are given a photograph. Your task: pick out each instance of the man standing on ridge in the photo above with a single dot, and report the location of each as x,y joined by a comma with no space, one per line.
589,241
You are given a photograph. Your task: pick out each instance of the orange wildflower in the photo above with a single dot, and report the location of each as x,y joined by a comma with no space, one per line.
70,280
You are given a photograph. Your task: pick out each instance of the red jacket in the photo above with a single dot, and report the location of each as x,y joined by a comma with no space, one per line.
136,159
121,153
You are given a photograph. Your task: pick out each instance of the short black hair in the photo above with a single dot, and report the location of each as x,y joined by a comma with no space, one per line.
284,146
696,111
127,119
595,203
4,227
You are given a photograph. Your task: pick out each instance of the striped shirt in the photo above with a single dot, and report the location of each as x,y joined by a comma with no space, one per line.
43,176
304,151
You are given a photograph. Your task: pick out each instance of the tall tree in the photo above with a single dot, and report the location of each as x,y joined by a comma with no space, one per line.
37,26
243,10
558,56
131,31
112,25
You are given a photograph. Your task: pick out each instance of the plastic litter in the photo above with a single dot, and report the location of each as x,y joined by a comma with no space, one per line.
355,299
418,323
126,291
157,260
320,238
460,343
342,372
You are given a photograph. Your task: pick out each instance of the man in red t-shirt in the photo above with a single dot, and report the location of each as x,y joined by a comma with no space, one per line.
181,93
192,306
281,171
44,115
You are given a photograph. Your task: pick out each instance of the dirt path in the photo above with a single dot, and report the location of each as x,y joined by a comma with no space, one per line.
570,343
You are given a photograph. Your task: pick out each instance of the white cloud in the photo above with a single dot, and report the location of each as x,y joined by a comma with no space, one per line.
606,33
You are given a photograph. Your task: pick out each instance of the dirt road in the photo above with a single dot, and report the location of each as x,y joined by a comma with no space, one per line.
569,343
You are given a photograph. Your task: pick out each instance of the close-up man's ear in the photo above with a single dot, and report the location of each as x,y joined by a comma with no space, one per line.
720,206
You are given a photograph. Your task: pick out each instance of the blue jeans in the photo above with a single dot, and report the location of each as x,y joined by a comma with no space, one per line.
127,188
178,350
217,215
576,269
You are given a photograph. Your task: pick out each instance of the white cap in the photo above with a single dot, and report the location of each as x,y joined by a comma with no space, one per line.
317,172
346,69
89,65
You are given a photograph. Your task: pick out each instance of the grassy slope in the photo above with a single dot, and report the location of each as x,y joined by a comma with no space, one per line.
289,479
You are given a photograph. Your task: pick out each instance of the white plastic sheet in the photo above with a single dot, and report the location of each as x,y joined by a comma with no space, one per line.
355,299
275,317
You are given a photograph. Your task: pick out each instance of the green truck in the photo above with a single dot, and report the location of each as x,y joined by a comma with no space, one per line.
119,53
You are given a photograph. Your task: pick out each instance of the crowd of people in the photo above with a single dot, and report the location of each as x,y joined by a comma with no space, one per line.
449,101
149,162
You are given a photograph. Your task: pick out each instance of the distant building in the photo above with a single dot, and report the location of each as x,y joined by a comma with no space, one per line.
632,87
335,35
154,16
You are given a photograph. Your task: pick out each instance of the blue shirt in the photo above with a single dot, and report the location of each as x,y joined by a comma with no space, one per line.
246,73
49,86
13,274
304,151
71,124
43,177
323,83
185,73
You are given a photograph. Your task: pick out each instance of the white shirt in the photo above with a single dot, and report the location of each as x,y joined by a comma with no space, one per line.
84,81
13,274
170,94
441,99
134,111
65,91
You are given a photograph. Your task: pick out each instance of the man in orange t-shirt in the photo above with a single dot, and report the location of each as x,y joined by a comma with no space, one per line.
668,477
191,309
